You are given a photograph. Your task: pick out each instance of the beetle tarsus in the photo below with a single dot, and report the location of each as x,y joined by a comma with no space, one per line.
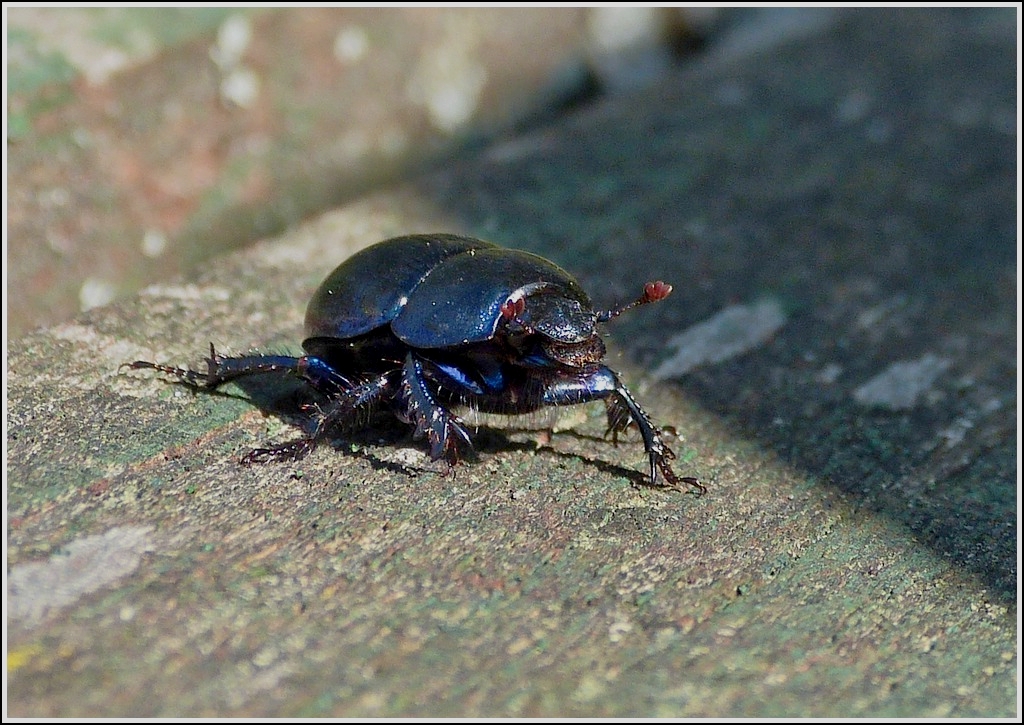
671,479
188,376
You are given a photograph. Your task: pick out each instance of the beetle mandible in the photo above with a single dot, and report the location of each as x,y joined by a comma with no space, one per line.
429,322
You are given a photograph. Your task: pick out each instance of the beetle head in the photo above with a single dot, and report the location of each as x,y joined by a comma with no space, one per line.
563,327
566,326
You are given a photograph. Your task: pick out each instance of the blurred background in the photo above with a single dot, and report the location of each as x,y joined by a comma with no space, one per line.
143,141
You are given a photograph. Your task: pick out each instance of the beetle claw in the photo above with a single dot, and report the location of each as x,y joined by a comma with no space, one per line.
660,461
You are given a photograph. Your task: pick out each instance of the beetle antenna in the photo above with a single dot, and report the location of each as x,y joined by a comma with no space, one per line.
653,292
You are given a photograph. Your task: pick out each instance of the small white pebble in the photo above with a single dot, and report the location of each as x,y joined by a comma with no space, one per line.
351,44
154,243
453,104
900,385
731,332
95,293
241,86
233,38
829,374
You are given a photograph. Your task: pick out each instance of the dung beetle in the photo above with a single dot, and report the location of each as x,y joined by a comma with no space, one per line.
430,322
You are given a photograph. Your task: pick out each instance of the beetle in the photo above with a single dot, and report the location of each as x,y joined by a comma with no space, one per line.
426,323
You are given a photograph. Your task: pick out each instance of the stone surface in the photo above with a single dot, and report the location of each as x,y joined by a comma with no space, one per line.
850,558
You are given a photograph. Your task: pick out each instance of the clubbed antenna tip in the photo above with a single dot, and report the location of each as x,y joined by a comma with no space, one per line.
653,292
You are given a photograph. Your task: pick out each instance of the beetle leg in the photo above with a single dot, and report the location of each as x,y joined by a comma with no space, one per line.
294,450
418,406
343,397
221,369
619,417
601,383
338,407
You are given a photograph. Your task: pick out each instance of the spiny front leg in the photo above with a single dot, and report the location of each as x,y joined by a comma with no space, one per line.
658,452
417,405
601,383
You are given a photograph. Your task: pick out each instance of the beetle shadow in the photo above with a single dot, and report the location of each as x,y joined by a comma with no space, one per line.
491,440
292,401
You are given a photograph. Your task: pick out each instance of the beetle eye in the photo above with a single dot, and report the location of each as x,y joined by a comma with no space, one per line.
512,313
512,309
